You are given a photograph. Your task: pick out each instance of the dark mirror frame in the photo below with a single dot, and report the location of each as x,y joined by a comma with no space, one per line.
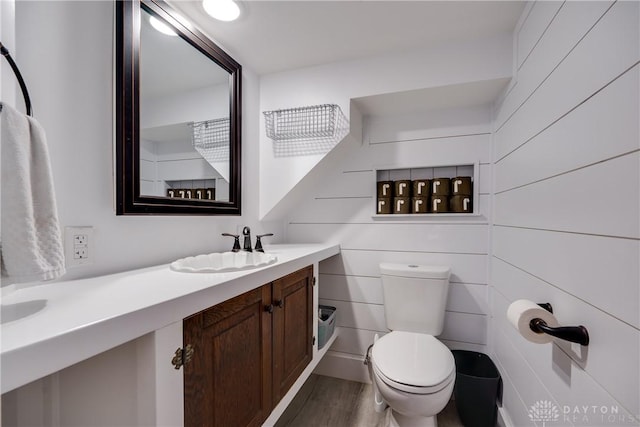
129,201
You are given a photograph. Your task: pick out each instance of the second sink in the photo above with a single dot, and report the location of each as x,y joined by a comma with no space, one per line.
219,262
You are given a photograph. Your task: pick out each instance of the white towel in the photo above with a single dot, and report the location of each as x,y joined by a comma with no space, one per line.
32,247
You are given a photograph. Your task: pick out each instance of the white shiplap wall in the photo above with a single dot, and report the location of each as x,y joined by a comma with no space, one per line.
148,168
340,210
567,211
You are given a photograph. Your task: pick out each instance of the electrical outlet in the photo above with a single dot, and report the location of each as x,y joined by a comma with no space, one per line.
78,245
80,253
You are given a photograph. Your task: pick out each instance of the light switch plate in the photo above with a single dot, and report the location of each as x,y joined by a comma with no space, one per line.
78,245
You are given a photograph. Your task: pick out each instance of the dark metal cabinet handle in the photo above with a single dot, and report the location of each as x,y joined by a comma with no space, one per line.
279,303
268,308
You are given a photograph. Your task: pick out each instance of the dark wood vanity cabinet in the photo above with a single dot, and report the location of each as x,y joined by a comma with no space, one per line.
248,352
228,380
292,329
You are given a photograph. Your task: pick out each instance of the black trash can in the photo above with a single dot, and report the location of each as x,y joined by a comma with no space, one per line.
476,389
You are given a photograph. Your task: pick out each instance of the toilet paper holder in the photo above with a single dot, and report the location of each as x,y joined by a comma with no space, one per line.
577,334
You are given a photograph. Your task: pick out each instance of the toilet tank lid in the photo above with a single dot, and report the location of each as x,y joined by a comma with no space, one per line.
415,271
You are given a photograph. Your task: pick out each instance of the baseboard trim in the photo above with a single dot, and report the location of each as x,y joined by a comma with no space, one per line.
504,420
344,366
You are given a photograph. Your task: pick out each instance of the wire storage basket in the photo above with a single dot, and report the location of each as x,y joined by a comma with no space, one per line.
306,130
211,139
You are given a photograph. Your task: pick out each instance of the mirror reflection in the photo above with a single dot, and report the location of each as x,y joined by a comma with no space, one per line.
184,118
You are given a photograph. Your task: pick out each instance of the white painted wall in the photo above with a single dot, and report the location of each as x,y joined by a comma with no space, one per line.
566,215
70,80
331,198
8,82
568,124
183,162
340,209
207,103
65,52
178,161
149,169
338,83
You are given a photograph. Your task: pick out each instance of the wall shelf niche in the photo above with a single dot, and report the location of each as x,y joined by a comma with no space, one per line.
418,194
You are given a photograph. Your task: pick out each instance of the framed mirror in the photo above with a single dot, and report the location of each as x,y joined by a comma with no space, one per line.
177,116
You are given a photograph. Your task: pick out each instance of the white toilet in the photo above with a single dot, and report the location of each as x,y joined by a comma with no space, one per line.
412,371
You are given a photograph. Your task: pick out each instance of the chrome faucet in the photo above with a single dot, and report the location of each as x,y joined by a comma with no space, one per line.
246,232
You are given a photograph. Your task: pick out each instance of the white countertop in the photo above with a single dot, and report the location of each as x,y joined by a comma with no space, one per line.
82,318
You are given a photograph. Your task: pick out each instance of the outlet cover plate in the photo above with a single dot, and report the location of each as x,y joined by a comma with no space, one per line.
78,245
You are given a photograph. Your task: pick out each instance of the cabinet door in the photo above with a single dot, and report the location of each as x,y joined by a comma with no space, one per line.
292,329
228,382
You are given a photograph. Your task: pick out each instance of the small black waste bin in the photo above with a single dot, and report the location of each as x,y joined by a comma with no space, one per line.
476,390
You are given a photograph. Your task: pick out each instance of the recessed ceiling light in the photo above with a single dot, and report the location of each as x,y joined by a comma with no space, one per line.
161,26
222,10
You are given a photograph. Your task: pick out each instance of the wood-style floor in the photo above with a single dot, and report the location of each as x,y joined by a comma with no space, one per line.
331,402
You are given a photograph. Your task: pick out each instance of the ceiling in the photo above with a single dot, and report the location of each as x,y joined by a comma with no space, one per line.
273,36
169,65
174,133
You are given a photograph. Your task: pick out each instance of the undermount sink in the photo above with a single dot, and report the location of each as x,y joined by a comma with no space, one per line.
19,310
219,262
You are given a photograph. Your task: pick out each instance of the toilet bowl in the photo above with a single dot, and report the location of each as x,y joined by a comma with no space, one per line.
414,374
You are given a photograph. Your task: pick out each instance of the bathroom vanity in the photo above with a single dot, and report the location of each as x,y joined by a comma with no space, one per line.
244,317
246,353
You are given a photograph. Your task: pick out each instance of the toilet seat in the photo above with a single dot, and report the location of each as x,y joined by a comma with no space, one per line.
412,362
410,388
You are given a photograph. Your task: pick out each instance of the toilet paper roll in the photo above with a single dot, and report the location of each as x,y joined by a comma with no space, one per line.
522,312
384,206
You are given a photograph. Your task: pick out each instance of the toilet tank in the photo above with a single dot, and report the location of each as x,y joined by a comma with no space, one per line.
415,297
